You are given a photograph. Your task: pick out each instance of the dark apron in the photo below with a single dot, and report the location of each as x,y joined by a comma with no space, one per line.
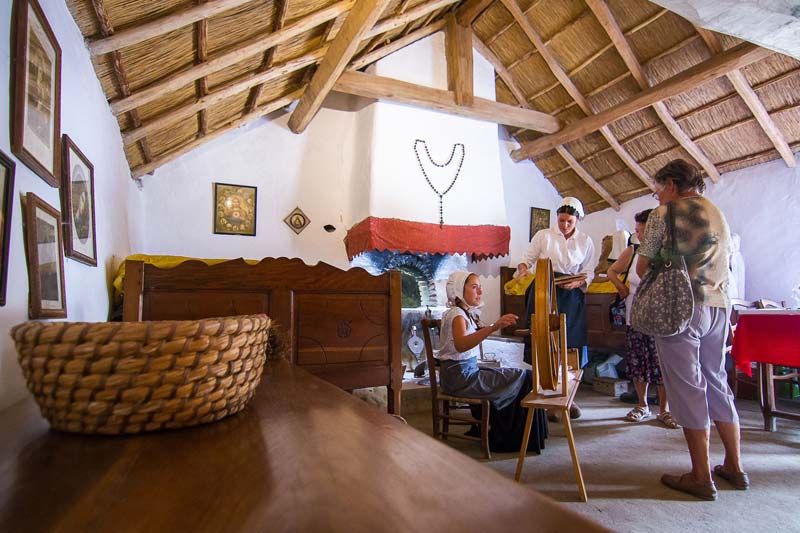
572,303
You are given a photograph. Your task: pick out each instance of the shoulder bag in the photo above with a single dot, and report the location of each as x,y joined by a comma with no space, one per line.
616,311
664,303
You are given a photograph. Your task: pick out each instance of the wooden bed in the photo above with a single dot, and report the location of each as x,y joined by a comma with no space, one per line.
342,325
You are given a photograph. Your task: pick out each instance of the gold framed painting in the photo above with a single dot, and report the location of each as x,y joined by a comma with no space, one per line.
540,219
44,240
77,204
235,209
6,203
36,92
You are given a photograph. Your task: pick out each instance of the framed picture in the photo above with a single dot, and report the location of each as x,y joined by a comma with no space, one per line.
6,202
36,92
45,259
234,209
77,204
540,219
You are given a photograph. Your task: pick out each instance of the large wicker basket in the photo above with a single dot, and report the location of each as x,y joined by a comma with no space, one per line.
128,377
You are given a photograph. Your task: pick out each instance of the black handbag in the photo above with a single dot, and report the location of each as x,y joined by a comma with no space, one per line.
616,311
663,304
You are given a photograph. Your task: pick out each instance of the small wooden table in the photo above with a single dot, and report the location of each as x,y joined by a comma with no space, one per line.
304,456
768,337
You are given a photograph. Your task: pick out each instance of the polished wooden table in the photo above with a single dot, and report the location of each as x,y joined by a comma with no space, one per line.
768,337
305,456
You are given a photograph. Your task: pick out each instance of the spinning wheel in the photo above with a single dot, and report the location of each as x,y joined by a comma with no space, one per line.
544,341
550,361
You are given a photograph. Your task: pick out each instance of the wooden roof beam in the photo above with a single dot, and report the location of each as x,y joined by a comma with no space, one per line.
458,52
737,57
107,29
201,29
160,26
269,56
260,111
370,86
585,176
359,21
470,10
572,89
183,77
752,101
606,18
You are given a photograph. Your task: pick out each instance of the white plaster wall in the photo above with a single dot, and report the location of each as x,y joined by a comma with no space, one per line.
762,205
399,189
86,118
313,171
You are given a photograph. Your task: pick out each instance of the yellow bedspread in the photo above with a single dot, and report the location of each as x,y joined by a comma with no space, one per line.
603,286
161,261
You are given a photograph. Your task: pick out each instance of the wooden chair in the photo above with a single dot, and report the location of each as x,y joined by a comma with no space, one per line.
452,407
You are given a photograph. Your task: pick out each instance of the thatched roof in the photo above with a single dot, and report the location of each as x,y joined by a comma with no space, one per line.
180,72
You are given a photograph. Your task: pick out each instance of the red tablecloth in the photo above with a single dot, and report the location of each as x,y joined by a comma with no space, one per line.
768,338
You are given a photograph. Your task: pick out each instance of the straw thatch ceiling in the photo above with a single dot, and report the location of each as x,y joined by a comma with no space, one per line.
599,93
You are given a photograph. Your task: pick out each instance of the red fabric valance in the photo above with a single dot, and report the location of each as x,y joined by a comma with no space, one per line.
404,236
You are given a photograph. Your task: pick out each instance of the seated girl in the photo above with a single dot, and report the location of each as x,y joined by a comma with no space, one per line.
462,333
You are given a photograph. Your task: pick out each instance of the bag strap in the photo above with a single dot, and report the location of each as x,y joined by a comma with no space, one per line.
627,270
671,229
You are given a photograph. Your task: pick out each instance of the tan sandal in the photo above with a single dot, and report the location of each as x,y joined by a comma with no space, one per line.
665,417
638,414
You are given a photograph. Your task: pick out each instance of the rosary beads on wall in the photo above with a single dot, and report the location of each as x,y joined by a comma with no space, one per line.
440,194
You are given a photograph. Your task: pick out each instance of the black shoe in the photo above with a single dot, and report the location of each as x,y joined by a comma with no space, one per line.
474,431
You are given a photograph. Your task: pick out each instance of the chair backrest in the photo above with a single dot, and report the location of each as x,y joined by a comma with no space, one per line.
427,325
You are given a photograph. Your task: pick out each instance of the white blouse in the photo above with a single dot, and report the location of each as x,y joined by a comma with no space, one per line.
569,256
448,348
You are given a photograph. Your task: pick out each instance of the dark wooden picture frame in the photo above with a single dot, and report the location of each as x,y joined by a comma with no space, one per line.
235,209
540,219
77,204
35,92
44,238
7,168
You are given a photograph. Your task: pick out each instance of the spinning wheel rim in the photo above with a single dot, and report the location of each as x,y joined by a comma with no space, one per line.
546,343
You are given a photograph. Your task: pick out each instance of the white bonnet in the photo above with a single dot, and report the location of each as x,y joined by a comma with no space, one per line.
574,203
455,286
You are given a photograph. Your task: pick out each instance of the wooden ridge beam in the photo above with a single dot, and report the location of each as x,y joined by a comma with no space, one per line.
746,92
160,26
107,29
458,52
359,21
259,45
737,57
606,19
574,92
585,176
201,29
402,92
260,111
470,10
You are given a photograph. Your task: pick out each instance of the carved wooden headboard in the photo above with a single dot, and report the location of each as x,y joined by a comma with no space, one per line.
343,325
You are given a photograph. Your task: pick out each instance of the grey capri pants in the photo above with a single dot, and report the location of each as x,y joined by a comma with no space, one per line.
693,367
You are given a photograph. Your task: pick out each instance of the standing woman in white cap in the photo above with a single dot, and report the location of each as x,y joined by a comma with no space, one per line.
459,374
571,252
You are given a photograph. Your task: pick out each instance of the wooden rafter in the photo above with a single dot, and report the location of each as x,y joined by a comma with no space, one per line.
260,111
107,29
359,21
572,89
259,45
572,163
737,57
752,101
403,92
160,26
269,56
201,29
396,45
458,51
608,22
470,10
